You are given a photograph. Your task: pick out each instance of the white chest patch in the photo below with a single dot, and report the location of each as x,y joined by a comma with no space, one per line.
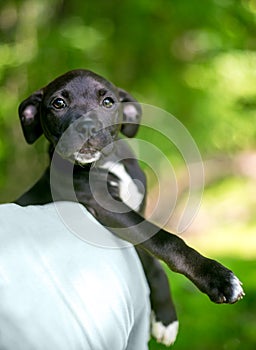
128,190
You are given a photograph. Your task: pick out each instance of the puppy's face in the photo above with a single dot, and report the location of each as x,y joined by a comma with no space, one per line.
81,114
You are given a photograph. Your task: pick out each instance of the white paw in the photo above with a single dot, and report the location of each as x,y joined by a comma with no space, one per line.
238,292
164,334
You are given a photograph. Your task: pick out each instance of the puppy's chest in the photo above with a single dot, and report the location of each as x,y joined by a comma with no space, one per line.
129,190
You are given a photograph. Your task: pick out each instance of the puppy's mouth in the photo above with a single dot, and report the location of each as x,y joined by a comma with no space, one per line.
85,152
86,156
91,153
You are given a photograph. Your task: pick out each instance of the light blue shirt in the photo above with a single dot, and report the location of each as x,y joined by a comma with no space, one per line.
59,292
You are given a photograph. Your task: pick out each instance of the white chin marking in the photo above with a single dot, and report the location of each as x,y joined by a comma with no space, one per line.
238,292
83,158
165,335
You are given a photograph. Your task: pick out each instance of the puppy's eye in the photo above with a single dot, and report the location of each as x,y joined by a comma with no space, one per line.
58,103
108,102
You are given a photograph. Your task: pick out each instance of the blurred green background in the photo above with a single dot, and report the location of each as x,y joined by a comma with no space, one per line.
194,59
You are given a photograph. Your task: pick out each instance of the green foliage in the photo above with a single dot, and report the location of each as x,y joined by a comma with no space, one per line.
194,59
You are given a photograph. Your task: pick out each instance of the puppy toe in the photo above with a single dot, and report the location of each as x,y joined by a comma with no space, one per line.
237,290
165,335
229,292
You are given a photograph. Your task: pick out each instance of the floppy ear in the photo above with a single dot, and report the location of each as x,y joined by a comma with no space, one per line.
29,113
131,114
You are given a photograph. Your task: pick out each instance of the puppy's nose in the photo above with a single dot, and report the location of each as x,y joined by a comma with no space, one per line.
87,126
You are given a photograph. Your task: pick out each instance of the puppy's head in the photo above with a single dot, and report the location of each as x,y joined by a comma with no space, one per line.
81,114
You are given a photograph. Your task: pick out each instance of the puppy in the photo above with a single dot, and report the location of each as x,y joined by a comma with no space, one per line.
81,114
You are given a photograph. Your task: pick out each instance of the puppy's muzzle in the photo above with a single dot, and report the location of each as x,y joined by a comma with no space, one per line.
84,141
88,127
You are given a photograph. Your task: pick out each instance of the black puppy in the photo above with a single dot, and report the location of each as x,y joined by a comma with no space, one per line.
98,111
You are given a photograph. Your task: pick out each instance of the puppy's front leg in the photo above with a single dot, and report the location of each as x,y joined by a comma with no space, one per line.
212,278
